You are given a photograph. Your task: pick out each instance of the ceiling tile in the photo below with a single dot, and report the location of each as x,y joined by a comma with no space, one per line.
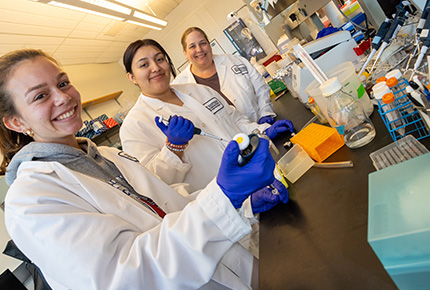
73,37
26,29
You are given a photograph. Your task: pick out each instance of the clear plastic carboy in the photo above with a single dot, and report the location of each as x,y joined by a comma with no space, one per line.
347,115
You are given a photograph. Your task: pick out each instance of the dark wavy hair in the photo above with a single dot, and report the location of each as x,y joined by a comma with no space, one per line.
131,50
10,141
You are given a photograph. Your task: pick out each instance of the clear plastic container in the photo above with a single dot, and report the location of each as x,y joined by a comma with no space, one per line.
401,150
295,163
398,222
347,115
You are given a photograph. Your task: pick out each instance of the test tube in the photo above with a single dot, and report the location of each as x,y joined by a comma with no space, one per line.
395,81
397,85
393,115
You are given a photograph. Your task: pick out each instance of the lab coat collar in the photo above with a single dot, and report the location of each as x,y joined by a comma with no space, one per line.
221,69
154,103
157,104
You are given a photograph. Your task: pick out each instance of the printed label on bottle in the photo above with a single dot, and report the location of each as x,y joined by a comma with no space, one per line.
360,91
341,129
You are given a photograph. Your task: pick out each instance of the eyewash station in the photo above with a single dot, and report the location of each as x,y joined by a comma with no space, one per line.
357,166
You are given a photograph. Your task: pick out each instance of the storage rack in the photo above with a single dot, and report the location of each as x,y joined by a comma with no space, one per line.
412,123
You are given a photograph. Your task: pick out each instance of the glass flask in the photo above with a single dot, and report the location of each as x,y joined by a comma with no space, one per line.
347,115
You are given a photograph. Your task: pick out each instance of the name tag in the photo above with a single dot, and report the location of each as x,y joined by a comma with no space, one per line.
239,69
213,105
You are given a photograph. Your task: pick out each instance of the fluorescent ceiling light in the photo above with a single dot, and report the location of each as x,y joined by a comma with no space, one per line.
111,9
149,18
109,5
58,4
143,24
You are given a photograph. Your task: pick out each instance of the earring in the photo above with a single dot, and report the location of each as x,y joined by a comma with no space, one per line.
28,132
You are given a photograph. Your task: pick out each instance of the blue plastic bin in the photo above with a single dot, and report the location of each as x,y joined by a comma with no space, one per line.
399,220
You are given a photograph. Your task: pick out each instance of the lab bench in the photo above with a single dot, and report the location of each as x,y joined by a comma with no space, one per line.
318,240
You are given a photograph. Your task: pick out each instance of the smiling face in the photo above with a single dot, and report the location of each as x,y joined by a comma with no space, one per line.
198,50
45,100
151,71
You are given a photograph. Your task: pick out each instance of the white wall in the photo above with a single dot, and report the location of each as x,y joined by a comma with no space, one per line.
97,80
209,15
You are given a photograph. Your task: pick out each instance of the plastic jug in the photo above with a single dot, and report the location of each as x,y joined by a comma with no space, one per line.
345,72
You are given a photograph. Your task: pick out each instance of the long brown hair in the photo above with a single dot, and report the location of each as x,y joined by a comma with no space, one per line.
10,141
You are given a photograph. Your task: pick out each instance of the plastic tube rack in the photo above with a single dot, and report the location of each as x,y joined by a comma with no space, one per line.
410,119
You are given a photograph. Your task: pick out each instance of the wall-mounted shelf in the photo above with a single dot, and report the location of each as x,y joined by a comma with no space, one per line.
113,96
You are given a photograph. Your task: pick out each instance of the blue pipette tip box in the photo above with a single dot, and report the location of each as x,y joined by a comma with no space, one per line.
399,221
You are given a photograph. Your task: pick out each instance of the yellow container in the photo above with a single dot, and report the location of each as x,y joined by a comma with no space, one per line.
318,141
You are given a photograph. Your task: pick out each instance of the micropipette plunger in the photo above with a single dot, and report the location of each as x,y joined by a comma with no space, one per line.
197,131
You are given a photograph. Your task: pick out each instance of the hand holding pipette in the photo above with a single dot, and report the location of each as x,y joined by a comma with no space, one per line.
177,129
182,128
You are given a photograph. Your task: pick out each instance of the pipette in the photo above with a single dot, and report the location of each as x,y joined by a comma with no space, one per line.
418,30
377,41
197,131
424,36
399,20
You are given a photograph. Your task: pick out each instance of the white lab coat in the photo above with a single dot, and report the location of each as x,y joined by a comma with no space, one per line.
141,137
241,83
85,234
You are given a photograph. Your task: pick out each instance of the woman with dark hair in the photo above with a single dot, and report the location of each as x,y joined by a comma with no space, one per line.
232,76
93,218
179,159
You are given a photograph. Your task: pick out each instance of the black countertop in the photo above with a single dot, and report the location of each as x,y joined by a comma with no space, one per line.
318,240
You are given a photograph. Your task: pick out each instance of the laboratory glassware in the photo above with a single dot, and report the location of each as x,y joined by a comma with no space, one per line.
347,115
316,110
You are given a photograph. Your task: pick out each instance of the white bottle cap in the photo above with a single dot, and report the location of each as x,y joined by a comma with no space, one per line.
395,73
380,93
330,87
379,87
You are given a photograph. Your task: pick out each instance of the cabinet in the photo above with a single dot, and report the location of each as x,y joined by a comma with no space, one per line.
87,104
111,135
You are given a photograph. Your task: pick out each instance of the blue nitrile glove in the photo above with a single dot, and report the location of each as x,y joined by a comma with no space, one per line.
239,182
264,199
179,131
279,127
266,119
